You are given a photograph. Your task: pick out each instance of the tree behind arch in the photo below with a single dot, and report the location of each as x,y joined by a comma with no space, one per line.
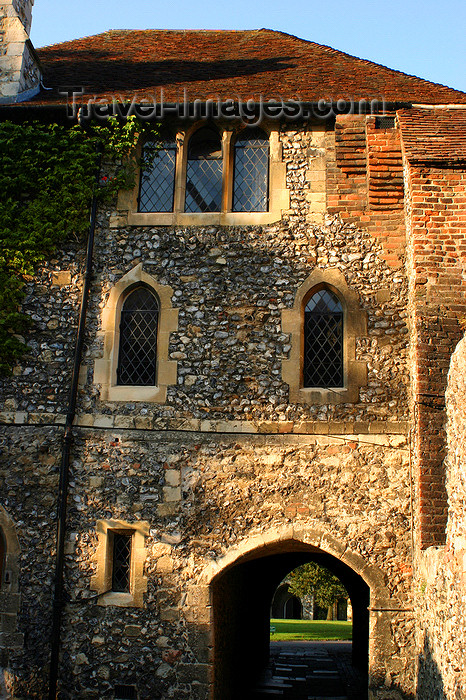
315,580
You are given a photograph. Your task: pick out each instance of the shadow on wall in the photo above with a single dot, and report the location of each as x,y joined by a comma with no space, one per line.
429,678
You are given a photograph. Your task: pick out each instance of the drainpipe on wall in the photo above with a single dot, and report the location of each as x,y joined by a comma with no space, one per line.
58,597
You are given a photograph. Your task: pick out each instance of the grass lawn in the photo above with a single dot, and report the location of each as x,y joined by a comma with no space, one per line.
287,630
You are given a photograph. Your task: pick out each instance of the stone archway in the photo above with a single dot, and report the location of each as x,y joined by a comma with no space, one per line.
285,605
241,587
9,592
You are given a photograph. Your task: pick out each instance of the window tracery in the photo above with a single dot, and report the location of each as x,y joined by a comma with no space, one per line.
209,174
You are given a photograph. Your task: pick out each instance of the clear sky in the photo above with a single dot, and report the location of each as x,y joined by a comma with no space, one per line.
420,37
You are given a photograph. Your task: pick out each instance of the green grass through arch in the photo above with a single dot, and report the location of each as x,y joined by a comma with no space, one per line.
309,630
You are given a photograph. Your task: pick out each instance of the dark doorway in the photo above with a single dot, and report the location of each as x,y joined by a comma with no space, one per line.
285,605
241,598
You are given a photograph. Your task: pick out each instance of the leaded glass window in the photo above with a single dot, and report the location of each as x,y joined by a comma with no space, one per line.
323,341
121,562
137,358
204,171
250,187
157,186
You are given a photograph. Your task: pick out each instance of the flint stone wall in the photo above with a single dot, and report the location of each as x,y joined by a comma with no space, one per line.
441,586
230,286
202,495
225,459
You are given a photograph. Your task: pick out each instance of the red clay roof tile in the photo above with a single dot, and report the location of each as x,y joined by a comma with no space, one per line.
225,64
433,134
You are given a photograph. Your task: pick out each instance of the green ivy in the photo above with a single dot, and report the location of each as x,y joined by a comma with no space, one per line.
47,181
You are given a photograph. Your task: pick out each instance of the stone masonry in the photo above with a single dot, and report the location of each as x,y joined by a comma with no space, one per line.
226,460
233,473
20,73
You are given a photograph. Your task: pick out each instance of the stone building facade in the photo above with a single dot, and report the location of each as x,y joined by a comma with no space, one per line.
20,72
229,470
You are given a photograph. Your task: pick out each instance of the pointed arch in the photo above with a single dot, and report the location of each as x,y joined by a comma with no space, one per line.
204,171
10,638
137,352
251,171
106,367
317,537
240,585
323,332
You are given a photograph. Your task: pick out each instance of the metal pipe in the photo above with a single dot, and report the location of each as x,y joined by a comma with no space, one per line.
58,597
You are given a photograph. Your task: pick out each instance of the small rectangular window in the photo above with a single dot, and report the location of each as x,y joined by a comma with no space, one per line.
121,562
125,692
385,122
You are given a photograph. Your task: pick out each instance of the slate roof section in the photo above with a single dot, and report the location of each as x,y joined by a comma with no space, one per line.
437,135
225,64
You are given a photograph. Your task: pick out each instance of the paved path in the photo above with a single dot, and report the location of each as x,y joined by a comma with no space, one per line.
311,671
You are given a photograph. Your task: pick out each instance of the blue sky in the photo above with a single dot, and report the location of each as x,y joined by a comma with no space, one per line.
423,38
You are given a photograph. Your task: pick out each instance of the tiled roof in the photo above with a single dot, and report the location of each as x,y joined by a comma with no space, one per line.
434,134
225,64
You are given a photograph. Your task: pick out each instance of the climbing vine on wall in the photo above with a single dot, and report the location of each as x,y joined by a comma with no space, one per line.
47,180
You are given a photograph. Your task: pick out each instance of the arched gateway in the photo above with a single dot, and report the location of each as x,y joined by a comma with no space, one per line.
242,584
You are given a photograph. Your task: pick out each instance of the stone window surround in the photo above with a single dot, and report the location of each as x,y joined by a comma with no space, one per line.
354,326
105,368
279,196
102,581
10,638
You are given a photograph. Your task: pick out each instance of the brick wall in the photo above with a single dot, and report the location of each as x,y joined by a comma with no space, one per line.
437,248
365,183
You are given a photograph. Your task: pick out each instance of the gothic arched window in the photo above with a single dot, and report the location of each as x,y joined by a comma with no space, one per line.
204,171
251,170
137,357
323,340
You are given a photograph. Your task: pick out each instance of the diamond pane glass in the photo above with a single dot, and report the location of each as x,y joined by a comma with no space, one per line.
157,185
250,188
121,562
323,341
204,172
137,357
